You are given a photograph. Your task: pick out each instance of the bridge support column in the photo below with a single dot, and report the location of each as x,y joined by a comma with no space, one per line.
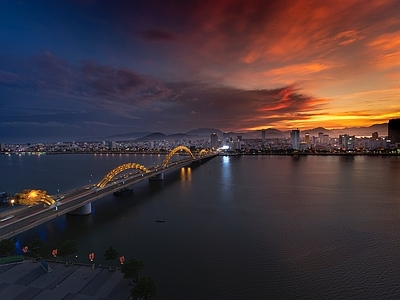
83,210
157,177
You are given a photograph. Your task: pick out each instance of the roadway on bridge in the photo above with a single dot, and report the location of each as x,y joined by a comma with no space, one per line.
19,219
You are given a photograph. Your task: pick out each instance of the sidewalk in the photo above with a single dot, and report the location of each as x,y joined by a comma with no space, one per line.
28,280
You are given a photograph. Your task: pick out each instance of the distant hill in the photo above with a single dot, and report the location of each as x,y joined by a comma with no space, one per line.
178,136
126,136
382,130
274,133
156,136
205,133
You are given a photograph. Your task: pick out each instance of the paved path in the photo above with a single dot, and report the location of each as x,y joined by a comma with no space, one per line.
28,280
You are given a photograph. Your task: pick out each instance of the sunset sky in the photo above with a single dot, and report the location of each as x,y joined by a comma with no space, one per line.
87,68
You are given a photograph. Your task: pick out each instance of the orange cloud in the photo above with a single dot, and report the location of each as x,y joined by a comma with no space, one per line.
348,37
386,50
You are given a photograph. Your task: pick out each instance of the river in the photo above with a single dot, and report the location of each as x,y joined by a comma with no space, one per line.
244,227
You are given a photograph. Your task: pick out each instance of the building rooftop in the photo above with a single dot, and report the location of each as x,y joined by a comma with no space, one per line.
29,280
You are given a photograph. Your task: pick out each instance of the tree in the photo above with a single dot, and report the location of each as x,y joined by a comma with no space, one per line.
67,248
145,289
7,247
37,247
111,254
131,268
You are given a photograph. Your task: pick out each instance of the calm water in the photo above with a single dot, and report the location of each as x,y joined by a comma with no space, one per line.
252,227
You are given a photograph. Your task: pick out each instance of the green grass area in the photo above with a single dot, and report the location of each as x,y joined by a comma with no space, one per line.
11,259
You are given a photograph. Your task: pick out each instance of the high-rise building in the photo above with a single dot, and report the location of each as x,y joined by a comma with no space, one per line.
263,136
214,140
226,136
394,131
320,137
307,138
325,139
347,142
375,136
295,138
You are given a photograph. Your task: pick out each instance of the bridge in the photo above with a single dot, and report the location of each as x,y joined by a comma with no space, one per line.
78,201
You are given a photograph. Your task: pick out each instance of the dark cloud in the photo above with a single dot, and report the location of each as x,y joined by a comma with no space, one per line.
138,97
108,81
27,111
7,78
158,35
103,86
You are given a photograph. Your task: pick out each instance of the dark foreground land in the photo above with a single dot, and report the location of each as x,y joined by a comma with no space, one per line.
28,280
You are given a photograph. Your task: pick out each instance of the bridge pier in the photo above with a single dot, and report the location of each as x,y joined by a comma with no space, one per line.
158,177
83,210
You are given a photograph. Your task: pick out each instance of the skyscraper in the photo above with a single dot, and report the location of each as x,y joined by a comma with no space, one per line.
394,131
295,138
263,136
226,138
347,141
307,138
214,140
320,137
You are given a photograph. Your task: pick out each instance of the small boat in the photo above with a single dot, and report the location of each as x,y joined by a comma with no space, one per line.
160,221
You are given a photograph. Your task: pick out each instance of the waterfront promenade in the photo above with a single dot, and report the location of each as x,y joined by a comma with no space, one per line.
28,280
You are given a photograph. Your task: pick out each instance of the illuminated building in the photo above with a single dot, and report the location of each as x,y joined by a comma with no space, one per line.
325,139
307,138
320,137
226,138
295,139
347,141
214,140
375,136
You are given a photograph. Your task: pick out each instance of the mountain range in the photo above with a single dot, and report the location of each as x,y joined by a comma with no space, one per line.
205,133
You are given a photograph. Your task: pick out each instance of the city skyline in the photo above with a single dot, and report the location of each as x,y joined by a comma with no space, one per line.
79,69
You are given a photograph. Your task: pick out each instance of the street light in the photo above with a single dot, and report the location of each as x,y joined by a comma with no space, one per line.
54,253
58,187
91,257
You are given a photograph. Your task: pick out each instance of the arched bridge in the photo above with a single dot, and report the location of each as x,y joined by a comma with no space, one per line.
78,201
114,172
110,175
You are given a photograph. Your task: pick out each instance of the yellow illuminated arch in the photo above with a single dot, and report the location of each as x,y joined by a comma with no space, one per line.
203,152
110,175
173,151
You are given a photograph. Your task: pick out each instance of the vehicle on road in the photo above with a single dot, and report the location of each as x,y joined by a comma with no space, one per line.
7,218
